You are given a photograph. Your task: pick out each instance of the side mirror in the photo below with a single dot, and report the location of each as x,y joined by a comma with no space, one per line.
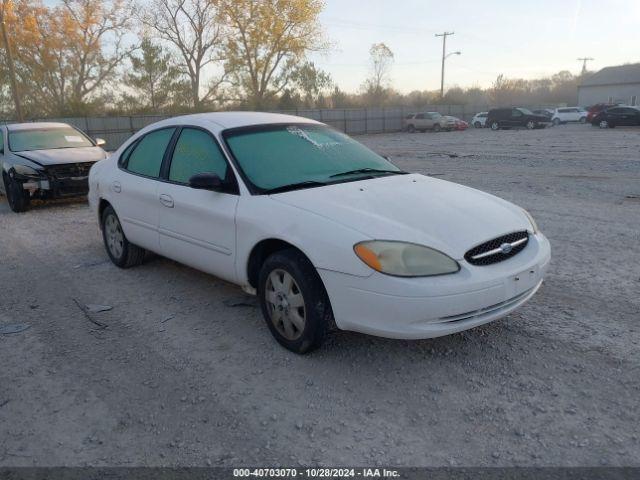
207,181
100,142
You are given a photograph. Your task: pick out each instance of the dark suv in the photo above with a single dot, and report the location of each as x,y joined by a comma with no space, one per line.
515,117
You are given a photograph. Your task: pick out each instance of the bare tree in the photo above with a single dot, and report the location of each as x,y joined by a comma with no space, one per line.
193,27
375,86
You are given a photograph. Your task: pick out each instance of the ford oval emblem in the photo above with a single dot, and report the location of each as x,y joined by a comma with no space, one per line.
506,248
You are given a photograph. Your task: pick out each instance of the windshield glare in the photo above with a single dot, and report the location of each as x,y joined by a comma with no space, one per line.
280,155
46,138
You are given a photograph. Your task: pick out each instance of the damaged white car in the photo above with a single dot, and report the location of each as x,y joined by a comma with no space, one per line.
326,232
45,161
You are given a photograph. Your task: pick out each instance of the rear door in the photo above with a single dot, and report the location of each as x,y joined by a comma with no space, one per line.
516,119
420,122
197,227
134,187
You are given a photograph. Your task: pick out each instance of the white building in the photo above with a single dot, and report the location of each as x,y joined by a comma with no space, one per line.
611,85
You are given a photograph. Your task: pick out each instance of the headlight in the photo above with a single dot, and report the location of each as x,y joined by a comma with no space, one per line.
404,259
26,171
534,225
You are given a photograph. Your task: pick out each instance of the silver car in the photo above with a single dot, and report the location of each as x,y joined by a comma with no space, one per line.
45,161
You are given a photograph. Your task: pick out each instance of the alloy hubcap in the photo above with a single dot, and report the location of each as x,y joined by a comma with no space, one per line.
285,304
604,124
114,236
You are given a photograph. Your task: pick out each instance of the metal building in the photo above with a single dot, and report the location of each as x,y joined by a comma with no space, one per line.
611,85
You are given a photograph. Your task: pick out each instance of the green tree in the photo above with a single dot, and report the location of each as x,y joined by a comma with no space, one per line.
310,82
154,78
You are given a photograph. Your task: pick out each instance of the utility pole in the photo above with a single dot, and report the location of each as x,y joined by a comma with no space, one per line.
12,71
444,36
584,61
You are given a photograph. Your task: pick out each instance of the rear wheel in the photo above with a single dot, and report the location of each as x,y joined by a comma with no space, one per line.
18,199
294,302
411,128
495,126
556,121
477,125
531,125
121,252
583,119
604,124
436,127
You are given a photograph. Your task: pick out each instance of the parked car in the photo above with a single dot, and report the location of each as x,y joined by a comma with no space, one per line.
515,117
479,120
323,230
593,110
568,115
425,121
45,161
455,123
545,112
617,117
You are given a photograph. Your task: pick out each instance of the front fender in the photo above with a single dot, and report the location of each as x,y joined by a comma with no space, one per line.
327,244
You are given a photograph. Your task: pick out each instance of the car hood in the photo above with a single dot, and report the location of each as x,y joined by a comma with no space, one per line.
59,156
443,215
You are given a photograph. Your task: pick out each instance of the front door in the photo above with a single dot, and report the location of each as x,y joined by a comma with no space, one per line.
197,227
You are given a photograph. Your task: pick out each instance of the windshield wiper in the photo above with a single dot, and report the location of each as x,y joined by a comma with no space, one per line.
293,186
368,170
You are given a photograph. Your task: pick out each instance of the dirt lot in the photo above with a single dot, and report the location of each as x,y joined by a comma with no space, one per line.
186,372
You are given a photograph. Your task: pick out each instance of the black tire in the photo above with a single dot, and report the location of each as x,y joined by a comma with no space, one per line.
556,121
583,119
531,125
477,125
495,126
128,255
317,309
18,199
411,128
436,127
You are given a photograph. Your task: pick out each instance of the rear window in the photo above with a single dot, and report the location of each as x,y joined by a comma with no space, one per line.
146,158
47,139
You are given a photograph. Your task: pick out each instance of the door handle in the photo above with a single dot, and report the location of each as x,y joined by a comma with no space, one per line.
166,200
116,187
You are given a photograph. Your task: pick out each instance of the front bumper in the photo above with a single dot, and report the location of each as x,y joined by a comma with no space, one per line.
57,188
413,308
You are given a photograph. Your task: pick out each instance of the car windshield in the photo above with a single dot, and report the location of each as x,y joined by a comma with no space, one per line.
526,111
46,138
277,156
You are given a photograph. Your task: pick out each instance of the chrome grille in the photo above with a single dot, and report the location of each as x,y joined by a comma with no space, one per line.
498,249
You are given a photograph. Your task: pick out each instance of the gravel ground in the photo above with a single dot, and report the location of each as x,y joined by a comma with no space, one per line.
186,372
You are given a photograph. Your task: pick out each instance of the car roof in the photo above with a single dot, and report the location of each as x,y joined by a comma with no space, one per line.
12,127
218,121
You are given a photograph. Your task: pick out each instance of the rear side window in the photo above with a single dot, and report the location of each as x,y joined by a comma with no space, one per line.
420,116
196,152
146,157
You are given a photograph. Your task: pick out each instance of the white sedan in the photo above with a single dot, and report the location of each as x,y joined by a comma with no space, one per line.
326,232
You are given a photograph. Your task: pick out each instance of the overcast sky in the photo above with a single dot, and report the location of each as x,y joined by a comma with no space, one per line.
519,38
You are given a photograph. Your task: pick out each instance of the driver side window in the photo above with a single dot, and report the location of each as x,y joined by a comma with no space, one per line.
516,113
196,152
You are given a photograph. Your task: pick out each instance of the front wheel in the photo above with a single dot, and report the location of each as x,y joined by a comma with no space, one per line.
531,125
495,126
556,121
411,129
294,303
604,124
477,125
583,119
18,199
122,253
436,128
